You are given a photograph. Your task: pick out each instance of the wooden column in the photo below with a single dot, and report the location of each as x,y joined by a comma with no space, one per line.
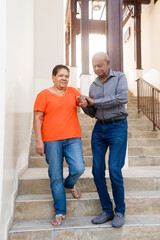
115,33
137,27
85,36
73,33
67,42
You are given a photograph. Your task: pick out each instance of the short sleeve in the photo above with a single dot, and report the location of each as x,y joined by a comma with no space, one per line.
40,102
75,93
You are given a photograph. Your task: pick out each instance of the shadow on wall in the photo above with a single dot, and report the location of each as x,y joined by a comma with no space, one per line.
153,77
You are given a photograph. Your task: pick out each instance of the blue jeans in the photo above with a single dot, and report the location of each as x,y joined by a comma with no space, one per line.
114,136
71,149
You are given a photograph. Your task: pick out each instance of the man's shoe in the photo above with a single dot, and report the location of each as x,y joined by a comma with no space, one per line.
102,218
118,220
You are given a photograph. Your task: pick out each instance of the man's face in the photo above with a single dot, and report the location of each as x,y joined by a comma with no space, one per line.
100,67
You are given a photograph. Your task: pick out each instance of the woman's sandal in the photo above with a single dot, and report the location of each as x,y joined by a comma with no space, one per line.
75,192
57,220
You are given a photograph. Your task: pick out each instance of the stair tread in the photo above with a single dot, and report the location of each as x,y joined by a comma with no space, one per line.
83,223
131,123
144,171
144,147
88,196
145,156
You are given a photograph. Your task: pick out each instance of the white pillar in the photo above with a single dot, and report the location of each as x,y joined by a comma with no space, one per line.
73,77
85,82
126,159
3,223
138,74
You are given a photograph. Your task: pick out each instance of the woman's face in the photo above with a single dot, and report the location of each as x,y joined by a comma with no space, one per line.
61,79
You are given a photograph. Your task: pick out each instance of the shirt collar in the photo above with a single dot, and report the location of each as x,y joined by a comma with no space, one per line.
111,74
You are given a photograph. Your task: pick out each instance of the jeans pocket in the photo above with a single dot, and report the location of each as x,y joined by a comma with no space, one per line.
121,124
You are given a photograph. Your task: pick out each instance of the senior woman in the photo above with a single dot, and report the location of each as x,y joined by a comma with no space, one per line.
58,135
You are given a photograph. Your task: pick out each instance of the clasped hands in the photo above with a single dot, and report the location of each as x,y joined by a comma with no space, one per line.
85,101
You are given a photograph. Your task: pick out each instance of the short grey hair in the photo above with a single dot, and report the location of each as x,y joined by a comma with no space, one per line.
101,54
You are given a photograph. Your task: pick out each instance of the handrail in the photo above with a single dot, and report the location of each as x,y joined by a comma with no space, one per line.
148,98
128,11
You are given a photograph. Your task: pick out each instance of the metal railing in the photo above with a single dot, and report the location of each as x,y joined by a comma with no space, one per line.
149,102
128,11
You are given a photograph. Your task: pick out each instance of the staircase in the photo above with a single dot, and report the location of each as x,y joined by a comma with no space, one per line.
33,206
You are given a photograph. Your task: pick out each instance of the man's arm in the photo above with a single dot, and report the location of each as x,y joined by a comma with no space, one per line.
85,103
90,110
121,96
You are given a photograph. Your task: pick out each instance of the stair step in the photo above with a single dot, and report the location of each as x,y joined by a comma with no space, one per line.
150,142
142,120
131,127
38,161
29,207
132,151
86,151
132,103
132,98
143,161
145,178
85,142
84,120
136,227
139,127
135,115
85,134
134,131
144,151
143,134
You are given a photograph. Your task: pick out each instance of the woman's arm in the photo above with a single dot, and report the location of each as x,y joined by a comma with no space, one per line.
38,119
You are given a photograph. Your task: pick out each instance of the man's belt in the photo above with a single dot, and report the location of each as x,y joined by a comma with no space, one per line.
114,119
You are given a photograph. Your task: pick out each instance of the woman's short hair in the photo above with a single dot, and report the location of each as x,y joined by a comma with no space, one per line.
57,68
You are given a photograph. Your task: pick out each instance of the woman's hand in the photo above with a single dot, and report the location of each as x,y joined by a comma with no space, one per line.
85,101
40,147
82,101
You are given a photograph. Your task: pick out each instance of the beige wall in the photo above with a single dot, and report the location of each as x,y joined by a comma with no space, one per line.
17,67
49,40
128,56
151,43
150,48
31,44
2,95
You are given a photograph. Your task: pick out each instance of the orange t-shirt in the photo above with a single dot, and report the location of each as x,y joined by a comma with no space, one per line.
60,120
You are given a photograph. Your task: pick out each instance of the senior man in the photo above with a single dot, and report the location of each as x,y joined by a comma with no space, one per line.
108,95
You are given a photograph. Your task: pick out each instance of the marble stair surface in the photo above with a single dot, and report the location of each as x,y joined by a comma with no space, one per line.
34,204
136,227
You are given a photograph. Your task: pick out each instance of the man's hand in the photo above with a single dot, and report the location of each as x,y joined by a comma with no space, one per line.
82,101
85,101
40,147
90,101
